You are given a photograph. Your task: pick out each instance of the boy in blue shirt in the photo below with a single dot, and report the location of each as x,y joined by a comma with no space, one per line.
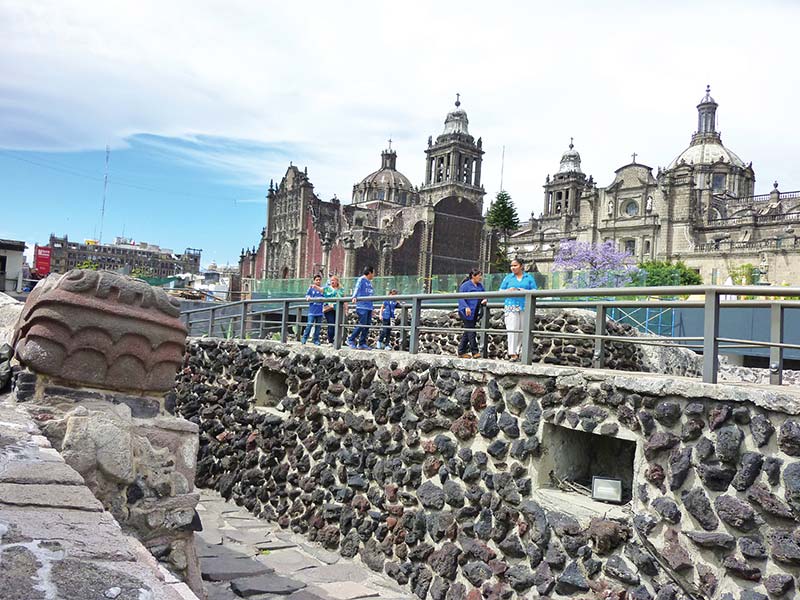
314,310
387,314
513,307
364,308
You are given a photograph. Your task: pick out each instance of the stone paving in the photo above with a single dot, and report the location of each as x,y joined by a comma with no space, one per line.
56,541
243,556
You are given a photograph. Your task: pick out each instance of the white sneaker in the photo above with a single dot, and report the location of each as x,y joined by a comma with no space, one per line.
380,346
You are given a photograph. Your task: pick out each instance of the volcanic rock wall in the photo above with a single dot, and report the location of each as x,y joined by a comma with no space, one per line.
449,475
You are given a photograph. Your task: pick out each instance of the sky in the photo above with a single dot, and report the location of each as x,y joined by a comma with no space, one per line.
202,103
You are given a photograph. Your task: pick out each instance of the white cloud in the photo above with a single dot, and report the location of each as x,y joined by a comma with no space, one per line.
328,82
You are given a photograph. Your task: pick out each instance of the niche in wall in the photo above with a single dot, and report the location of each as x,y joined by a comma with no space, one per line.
269,387
577,456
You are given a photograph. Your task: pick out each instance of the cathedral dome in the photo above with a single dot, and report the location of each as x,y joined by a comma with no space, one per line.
570,160
456,122
707,153
387,184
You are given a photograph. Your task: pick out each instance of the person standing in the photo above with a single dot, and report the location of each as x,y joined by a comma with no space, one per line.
469,311
334,289
314,310
387,314
513,307
364,307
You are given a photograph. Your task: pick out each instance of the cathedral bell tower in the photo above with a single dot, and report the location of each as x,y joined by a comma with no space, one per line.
562,192
453,162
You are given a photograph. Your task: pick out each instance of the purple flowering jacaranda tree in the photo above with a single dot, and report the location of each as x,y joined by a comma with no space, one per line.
595,265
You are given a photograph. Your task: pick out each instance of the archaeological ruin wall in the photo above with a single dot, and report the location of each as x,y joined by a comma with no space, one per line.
466,478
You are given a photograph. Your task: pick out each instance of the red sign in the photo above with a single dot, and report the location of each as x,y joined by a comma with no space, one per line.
41,259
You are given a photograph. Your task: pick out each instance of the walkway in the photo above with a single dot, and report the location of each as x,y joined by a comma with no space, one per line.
243,556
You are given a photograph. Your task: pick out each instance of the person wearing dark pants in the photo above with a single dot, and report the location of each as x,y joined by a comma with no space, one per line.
469,311
333,290
364,308
387,314
314,310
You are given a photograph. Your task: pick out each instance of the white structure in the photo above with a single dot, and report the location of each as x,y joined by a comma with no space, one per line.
11,261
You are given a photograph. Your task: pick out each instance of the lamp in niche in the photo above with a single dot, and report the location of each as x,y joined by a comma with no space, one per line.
606,489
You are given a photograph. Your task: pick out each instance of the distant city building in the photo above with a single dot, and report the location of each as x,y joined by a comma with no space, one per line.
701,209
398,228
11,262
124,254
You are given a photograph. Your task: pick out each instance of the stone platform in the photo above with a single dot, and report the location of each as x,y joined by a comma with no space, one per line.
56,540
243,556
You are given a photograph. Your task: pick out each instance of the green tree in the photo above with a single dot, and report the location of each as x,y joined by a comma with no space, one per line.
743,274
502,216
142,273
88,265
665,272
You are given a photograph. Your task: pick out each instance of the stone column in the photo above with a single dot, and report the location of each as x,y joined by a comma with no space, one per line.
101,352
478,172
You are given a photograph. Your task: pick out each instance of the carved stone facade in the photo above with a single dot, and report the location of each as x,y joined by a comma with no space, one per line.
103,349
390,224
700,209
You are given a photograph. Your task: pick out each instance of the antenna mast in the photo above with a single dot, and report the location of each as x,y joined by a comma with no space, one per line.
105,189
502,168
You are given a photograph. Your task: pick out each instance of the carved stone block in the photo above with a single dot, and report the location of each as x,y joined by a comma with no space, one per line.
102,329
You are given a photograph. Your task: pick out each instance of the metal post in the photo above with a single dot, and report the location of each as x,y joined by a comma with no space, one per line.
599,357
710,335
211,322
243,324
527,326
776,337
338,325
485,334
403,325
299,321
262,317
416,317
285,323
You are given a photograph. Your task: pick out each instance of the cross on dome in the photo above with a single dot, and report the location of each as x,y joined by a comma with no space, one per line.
458,100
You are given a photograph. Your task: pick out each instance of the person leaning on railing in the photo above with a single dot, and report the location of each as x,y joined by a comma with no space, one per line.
469,310
513,307
334,289
364,308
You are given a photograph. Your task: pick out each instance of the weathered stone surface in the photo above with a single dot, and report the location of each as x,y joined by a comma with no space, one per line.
668,412
572,580
265,584
736,513
723,541
668,510
520,578
789,437
779,584
759,495
697,504
741,569
617,568
728,441
49,496
431,495
716,477
752,546
784,546
749,469
761,429
658,442
444,561
680,461
227,567
103,330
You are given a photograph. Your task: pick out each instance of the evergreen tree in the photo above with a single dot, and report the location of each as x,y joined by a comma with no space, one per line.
503,214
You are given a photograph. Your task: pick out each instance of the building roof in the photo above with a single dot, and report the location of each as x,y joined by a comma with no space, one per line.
13,245
707,153
456,121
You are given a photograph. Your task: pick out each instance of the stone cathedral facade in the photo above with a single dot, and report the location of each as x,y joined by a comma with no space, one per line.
701,209
400,229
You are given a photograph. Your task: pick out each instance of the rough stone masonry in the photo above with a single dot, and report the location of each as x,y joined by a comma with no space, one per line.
101,350
454,476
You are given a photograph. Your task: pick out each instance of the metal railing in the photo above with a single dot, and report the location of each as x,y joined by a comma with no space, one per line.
274,318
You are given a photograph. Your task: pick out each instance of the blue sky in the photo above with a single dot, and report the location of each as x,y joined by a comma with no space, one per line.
203,102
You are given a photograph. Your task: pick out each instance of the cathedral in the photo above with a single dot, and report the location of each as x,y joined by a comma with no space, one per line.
701,209
398,228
